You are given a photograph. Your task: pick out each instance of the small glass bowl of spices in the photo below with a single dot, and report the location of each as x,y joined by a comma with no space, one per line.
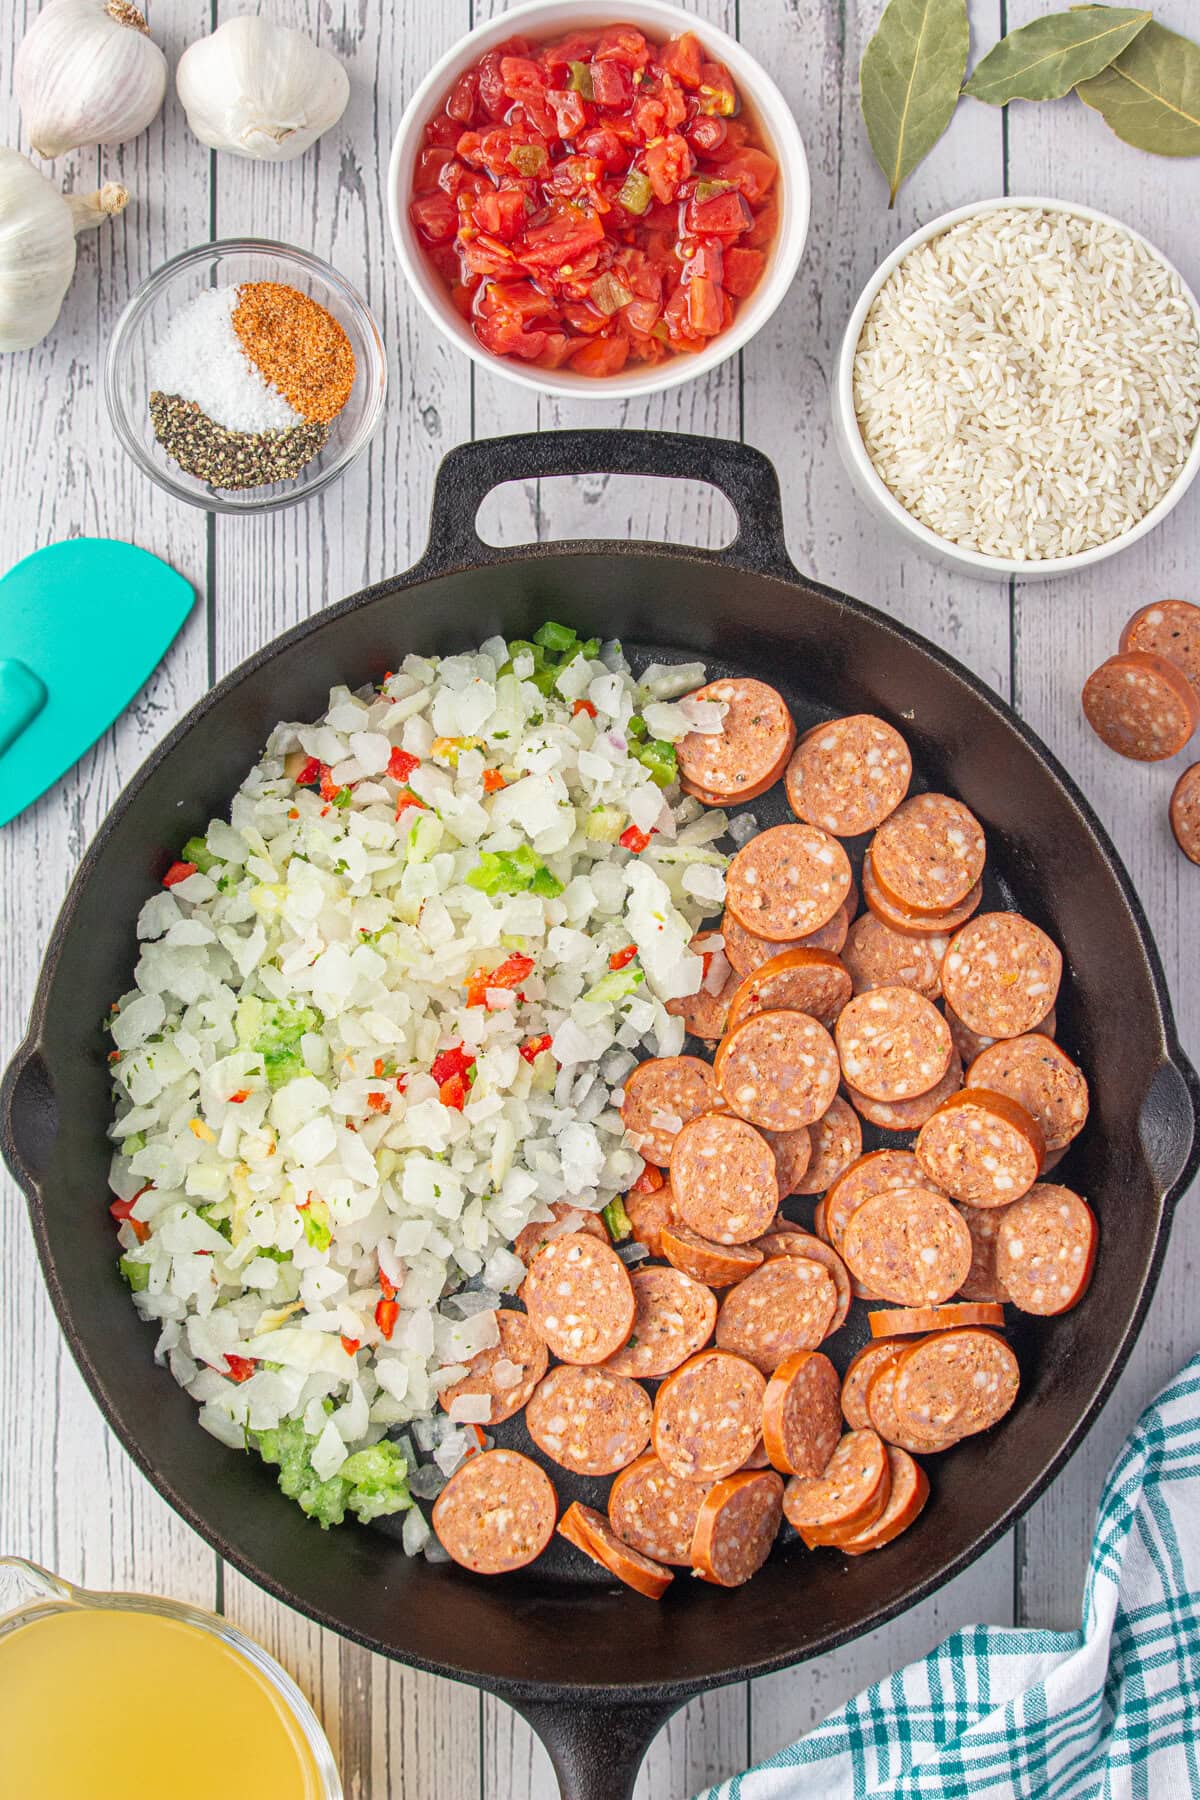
245,375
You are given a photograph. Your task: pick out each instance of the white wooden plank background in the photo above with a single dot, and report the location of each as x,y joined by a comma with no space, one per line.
68,1496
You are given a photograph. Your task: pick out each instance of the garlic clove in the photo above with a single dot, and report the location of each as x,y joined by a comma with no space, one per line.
260,90
88,72
37,246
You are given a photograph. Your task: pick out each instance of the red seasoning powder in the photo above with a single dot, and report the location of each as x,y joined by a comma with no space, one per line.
297,346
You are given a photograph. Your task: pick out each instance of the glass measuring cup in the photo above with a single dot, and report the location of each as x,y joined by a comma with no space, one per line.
129,1688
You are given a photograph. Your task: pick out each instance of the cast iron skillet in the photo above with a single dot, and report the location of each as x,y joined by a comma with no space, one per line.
597,1670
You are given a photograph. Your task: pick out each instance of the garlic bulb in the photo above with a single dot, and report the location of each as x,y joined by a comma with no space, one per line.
37,246
260,90
88,72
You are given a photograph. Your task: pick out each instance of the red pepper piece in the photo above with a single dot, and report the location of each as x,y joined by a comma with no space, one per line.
401,764
649,1181
633,839
408,798
330,789
493,781
310,774
584,706
621,959
453,1092
351,1345
387,1286
448,1063
386,1314
238,1099
377,1102
241,1368
532,1048
508,974
178,871
122,1212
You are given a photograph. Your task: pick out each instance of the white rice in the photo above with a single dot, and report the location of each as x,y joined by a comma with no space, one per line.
1028,383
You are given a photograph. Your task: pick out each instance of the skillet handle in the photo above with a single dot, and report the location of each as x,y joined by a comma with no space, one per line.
29,1117
1169,1126
468,474
596,1749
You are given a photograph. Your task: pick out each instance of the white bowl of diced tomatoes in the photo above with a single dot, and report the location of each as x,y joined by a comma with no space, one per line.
598,203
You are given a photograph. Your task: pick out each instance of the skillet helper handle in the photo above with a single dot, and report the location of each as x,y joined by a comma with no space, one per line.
29,1116
1169,1126
469,472
596,1750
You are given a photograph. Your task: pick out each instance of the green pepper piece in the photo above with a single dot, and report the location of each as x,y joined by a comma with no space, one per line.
558,638
619,1224
660,759
636,729
528,159
135,1273
636,192
197,851
580,79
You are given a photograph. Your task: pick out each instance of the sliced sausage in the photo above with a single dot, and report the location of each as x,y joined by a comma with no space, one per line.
654,1511
506,1372
662,1094
908,1245
579,1299
793,1152
749,753
1141,706
758,1458
906,1501
747,951
909,1115
836,1140
1185,813
648,1211
916,1321
874,1173
881,1405
496,1513
566,1217
929,854
981,1148
956,1381
863,1367
778,1070
704,1013
787,881
737,1525
1046,1249
674,1318
893,1044
971,1044
804,980
848,1496
1033,1071
1001,974
848,775
708,1416
785,1306
589,1420
716,1265
723,1179
983,1282
591,1532
1170,629
802,1413
904,918
795,1242
876,955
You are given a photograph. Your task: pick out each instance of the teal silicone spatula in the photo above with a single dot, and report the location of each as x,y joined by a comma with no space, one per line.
83,625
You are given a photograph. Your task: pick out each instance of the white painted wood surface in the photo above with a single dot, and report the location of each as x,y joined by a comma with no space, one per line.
68,1495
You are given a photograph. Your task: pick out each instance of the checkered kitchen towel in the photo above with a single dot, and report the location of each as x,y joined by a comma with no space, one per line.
1111,1710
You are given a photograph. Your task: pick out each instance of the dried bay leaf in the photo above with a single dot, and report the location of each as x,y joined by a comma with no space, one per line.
911,74
1045,60
1150,96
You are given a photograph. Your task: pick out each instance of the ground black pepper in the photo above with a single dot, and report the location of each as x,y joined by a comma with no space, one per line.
231,459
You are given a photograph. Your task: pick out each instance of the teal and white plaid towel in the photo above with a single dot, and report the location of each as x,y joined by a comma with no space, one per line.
1110,1710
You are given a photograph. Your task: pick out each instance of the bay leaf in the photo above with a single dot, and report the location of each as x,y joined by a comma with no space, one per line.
1045,60
1150,96
911,74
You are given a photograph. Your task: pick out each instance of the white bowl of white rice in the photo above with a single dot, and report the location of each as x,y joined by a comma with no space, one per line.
1018,388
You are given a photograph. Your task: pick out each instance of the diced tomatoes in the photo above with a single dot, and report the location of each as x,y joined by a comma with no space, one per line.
594,199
